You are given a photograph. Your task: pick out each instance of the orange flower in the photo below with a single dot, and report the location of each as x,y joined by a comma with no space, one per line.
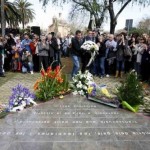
60,80
42,72
57,68
35,87
49,69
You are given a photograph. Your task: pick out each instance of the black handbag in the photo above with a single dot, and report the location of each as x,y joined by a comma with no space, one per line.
127,52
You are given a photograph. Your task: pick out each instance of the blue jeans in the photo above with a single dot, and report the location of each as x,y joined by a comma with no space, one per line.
27,68
94,67
120,65
57,57
76,65
102,66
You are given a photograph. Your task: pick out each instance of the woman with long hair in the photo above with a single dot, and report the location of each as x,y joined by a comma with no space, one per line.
120,58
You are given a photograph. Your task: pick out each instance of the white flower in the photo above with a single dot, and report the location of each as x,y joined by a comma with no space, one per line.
81,76
85,87
75,93
89,45
79,85
75,80
81,92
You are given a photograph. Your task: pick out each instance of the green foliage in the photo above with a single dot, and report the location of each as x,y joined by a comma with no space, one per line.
25,11
137,31
131,90
12,15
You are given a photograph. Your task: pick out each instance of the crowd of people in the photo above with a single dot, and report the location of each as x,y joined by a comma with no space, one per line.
29,53
117,53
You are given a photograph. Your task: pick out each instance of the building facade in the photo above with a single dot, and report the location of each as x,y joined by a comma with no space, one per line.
60,26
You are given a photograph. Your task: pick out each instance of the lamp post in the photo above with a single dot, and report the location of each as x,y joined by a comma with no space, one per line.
2,18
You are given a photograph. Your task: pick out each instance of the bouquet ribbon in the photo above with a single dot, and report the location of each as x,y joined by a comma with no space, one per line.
91,59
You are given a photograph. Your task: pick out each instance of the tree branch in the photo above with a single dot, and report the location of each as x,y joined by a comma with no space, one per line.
122,8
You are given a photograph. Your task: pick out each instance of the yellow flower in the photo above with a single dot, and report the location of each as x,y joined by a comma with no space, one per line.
90,89
61,96
105,92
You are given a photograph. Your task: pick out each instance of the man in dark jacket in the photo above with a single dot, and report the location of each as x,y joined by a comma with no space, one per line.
76,52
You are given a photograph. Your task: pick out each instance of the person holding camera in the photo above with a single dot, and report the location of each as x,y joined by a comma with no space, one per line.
43,52
120,57
27,64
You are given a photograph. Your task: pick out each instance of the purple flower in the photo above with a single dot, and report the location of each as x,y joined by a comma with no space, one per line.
20,94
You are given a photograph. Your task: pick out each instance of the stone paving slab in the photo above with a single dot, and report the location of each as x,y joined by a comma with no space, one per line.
74,123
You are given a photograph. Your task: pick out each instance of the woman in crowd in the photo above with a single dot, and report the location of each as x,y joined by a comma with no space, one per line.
34,52
120,59
110,53
132,43
43,48
16,58
145,63
58,49
18,44
138,52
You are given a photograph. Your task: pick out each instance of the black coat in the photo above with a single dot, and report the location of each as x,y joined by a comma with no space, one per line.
102,50
76,46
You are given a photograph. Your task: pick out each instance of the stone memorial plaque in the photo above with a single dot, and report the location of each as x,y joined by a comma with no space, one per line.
74,123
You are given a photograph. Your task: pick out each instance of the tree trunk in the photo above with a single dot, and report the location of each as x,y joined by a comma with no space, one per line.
113,20
23,20
113,17
90,23
113,24
98,22
2,18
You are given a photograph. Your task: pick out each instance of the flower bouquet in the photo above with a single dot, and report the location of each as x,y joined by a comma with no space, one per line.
51,84
80,83
100,94
21,98
92,48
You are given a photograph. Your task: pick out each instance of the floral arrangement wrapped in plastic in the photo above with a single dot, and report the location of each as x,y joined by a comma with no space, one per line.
92,48
21,98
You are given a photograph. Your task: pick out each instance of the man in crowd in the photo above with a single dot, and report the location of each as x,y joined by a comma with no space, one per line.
76,52
26,42
27,63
